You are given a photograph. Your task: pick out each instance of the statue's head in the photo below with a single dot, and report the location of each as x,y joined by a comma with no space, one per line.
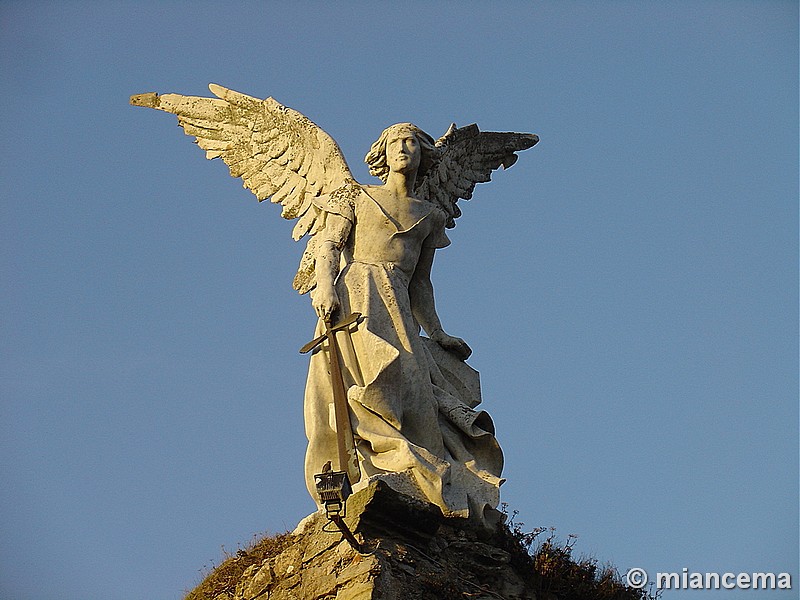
376,157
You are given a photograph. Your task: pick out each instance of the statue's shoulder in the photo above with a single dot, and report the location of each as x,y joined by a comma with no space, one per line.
432,210
439,218
372,192
341,201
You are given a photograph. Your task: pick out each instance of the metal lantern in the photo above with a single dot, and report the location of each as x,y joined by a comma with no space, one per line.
333,489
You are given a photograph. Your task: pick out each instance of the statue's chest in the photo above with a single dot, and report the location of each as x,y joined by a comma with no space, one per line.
391,219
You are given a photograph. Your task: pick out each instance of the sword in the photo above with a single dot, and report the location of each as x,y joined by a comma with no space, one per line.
348,460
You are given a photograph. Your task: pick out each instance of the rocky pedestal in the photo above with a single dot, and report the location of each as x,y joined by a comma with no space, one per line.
409,551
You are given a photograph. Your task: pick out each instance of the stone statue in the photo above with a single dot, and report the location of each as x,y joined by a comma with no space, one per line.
370,248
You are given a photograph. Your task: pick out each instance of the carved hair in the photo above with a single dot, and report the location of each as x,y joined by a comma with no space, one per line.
376,157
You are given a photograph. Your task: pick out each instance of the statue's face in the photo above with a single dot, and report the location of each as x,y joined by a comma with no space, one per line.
403,152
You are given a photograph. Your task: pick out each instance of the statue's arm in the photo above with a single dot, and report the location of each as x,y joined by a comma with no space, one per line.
324,298
423,305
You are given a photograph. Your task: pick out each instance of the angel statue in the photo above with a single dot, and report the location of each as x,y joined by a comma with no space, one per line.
411,399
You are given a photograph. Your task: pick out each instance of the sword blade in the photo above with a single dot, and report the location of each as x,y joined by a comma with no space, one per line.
348,461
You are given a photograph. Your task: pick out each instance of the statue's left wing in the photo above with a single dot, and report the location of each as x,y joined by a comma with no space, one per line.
464,157
277,152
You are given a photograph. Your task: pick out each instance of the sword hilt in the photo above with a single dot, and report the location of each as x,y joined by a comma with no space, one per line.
343,324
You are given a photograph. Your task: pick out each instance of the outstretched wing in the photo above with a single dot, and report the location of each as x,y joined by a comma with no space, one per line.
276,151
466,156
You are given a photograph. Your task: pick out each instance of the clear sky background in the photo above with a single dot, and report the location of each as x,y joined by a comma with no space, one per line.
629,288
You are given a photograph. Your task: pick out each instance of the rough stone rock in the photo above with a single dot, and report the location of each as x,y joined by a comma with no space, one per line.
409,551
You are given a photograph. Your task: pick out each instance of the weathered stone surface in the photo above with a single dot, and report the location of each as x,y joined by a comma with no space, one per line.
380,509
400,403
256,580
447,558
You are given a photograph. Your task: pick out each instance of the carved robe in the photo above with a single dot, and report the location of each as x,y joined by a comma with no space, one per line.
411,402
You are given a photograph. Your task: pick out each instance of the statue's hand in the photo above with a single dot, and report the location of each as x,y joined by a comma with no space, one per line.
325,301
452,344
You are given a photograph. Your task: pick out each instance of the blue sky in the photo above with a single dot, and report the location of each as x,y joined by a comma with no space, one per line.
629,288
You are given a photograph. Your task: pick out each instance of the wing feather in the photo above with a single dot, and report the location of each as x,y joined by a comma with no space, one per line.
304,223
277,152
248,134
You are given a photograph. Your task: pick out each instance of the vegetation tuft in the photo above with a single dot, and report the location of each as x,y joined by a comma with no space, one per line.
553,569
222,580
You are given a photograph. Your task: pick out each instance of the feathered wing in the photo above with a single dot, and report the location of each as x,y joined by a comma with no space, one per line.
464,157
277,152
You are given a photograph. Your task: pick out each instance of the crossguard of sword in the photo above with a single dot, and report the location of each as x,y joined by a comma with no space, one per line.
329,330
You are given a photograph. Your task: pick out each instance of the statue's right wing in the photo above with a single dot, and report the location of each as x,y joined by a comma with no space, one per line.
276,151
